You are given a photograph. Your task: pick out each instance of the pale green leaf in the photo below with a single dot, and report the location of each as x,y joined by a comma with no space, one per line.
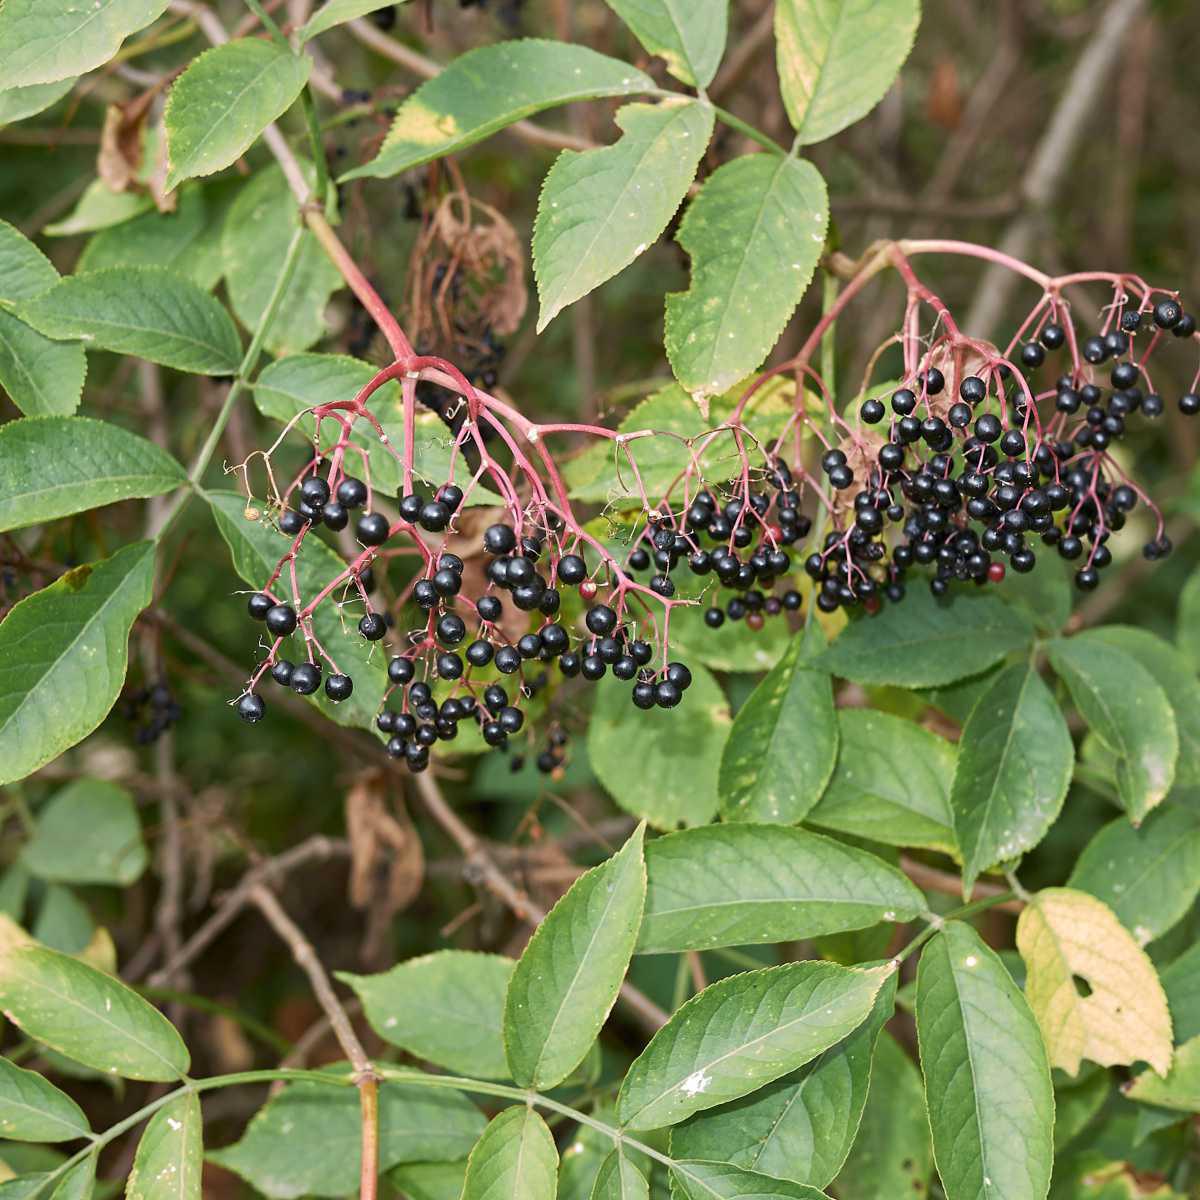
926,642
227,96
170,1154
87,832
688,37
1187,627
257,232
837,58
484,90
783,744
802,1126
17,103
1044,595
1128,711
1015,759
1181,982
84,1013
514,1160
694,1179
42,41
869,797
307,1140
447,1008
32,1109
63,921
620,1179
754,234
63,465
567,979
100,208
78,1182
1149,877
892,1155
429,1181
648,767
987,1078
256,548
735,647
741,1033
24,270
48,700
734,885
600,209
146,311
1180,1089
336,12
1064,935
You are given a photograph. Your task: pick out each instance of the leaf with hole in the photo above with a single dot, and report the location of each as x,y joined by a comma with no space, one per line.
837,58
566,981
63,465
783,744
600,209
754,233
868,797
490,87
447,1008
1015,759
1094,991
734,885
47,703
42,41
84,1013
740,1034
1128,712
800,1127
220,105
987,1078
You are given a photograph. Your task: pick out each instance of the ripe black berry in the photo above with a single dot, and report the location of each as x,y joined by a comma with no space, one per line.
451,630
601,620
339,687
1168,314
449,494
1189,404
281,672
251,708
372,529
489,608
291,522
281,619
667,694
499,539
434,516
572,569
306,678
401,670
335,516
872,411
352,492
372,626
508,660
258,605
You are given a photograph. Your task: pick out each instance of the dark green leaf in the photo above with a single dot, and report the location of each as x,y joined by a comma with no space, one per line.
48,701
733,885
488,88
336,12
32,1109
514,1160
170,1154
1187,628
1181,982
62,465
620,1179
698,1180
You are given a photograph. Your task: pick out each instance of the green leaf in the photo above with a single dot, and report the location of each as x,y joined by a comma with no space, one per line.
42,41
47,703
800,1127
698,1180
42,377
307,1139
257,232
79,1182
63,921
620,1179
741,1033
20,102
567,979
734,885
837,58
688,37
868,797
1128,711
1180,1089
256,549
429,1181
1076,1102
514,1160
1181,983
987,1078
64,465
925,642
224,100
32,1109
1044,595
484,90
186,241
1187,627
1015,759
170,1154
88,832
599,209
447,1008
646,766
1149,877
84,1013
735,647
891,1155
754,234
1121,1016
336,12
1176,679
100,208
783,744
146,311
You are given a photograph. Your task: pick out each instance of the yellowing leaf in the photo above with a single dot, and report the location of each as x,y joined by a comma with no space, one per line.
1064,935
